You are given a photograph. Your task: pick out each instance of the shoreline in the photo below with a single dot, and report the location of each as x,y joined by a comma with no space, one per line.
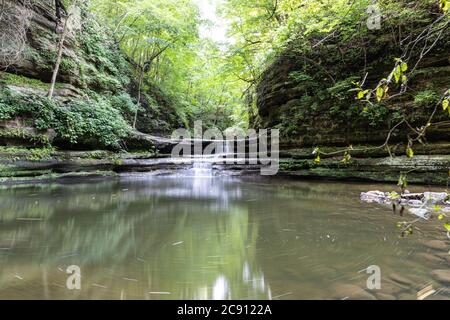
26,165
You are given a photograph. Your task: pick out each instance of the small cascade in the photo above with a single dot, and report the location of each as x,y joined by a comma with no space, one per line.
202,169
219,155
226,147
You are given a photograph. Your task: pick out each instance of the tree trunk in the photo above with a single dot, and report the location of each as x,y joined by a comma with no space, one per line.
58,59
141,78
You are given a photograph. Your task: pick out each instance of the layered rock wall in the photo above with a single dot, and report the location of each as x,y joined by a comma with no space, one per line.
308,95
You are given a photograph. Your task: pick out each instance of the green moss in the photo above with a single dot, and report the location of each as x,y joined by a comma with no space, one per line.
293,165
40,154
13,79
98,154
30,154
5,168
109,71
17,173
25,135
116,160
105,82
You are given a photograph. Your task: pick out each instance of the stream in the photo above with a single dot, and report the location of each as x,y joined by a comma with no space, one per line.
194,235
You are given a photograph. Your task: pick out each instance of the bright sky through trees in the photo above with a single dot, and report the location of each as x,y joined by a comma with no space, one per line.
215,27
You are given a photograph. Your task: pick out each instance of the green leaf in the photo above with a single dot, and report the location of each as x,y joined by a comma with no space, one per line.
409,152
440,216
394,195
402,181
360,94
380,93
347,157
397,73
444,5
404,67
447,226
317,159
445,104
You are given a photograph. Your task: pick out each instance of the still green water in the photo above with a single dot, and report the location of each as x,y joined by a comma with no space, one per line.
178,237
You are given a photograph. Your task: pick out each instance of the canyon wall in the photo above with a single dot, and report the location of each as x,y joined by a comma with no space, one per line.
93,72
308,95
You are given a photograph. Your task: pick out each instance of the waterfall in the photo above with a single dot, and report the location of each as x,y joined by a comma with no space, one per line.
202,168
202,165
225,150
226,147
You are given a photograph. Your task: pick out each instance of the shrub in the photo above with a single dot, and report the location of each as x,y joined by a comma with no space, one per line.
98,121
124,103
39,109
426,98
86,121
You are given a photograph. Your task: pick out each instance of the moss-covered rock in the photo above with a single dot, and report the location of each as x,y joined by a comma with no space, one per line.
432,170
306,92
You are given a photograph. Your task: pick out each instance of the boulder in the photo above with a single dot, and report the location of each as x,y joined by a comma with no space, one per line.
436,197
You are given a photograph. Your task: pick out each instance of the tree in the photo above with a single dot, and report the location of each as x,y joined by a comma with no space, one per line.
60,11
65,30
161,39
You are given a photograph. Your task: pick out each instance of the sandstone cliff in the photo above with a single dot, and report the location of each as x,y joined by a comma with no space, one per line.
92,69
306,93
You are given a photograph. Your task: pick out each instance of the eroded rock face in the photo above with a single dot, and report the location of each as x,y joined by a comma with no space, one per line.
91,58
313,108
306,95
92,66
17,132
307,120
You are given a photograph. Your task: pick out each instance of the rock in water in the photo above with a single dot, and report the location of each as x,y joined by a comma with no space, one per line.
435,197
421,213
373,196
421,205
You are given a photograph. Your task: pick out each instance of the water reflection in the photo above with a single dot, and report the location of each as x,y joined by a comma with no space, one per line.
195,238
131,239
218,192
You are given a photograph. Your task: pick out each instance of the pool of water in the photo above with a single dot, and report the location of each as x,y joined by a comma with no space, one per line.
184,237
